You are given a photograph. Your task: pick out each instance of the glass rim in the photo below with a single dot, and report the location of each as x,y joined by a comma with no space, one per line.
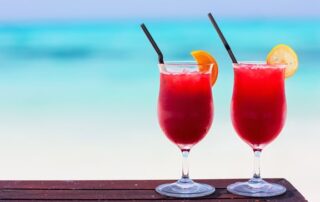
178,66
259,64
183,63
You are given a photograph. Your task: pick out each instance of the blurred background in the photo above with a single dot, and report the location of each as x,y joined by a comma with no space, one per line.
79,84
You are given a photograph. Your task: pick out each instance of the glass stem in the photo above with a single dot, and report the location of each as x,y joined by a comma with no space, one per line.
185,166
256,168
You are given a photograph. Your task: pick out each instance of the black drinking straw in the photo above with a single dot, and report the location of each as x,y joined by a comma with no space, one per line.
154,44
224,41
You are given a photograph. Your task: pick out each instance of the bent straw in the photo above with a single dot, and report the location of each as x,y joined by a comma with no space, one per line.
224,41
153,43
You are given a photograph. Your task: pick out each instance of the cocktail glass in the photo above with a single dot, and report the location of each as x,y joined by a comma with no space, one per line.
258,112
185,114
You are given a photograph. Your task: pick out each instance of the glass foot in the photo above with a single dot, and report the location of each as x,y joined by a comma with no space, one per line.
256,188
185,188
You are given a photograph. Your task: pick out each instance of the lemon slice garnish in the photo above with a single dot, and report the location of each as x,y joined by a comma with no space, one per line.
283,54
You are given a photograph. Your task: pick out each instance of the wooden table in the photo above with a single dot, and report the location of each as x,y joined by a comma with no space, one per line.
142,190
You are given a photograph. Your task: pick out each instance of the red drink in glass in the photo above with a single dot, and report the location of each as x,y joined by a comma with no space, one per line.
185,113
258,112
185,107
258,108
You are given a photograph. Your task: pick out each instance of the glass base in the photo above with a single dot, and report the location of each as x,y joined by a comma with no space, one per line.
256,188
185,188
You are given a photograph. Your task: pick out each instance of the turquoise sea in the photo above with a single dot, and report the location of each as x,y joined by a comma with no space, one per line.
78,100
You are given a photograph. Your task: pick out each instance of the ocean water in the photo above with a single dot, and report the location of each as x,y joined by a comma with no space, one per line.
78,101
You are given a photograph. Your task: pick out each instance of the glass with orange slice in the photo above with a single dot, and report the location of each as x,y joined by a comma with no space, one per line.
185,111
258,111
185,114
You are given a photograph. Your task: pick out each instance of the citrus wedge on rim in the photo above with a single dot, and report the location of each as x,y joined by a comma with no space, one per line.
283,54
204,59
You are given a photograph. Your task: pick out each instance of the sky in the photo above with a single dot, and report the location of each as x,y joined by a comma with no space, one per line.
30,10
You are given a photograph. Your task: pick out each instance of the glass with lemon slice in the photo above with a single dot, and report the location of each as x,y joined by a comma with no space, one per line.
258,111
185,114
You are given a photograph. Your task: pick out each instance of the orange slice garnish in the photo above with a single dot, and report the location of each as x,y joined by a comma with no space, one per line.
204,59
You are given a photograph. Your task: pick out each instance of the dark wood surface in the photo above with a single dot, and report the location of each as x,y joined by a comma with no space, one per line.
142,190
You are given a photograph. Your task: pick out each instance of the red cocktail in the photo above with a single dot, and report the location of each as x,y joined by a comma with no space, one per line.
185,113
258,112
258,107
185,107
